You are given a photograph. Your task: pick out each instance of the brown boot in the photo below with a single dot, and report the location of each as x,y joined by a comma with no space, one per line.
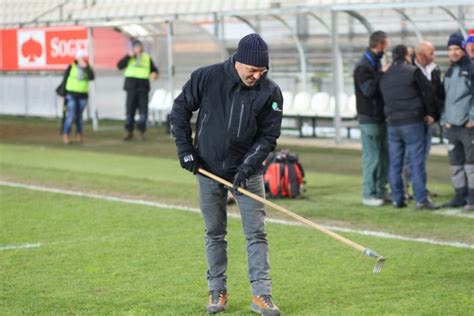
128,136
79,138
66,139
141,137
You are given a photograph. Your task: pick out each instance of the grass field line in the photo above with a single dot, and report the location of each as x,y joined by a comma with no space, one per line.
20,246
376,234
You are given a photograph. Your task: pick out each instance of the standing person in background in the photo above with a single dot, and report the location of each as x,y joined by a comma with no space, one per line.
139,69
409,103
76,79
458,119
469,44
424,60
371,117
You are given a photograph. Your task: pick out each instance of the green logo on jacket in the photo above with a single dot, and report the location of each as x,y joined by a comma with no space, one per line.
275,107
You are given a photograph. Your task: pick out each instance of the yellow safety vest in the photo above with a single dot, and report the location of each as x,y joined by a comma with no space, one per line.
141,71
75,85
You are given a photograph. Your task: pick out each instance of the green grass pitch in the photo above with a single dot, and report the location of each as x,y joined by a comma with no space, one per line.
111,258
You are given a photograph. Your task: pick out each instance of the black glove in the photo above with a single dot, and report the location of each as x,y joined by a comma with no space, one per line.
240,179
189,161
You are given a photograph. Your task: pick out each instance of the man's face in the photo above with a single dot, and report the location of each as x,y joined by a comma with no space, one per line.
137,49
409,56
455,53
249,75
426,56
384,46
470,50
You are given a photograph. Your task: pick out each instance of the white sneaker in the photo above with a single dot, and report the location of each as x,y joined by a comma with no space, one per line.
373,202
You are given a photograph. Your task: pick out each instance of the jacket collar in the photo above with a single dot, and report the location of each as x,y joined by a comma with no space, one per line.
231,72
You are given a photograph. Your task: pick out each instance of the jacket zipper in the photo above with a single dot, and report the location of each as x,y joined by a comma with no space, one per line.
200,130
229,125
202,125
240,120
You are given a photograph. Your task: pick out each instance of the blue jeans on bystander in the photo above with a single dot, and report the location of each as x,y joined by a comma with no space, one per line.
411,139
75,107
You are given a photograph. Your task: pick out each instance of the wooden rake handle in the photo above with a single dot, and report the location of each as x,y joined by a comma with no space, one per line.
299,218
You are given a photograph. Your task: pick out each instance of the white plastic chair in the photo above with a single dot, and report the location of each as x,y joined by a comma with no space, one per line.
158,106
320,103
287,101
301,104
331,110
351,110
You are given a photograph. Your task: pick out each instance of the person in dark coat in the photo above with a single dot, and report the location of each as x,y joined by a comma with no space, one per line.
409,103
424,60
139,69
369,101
240,113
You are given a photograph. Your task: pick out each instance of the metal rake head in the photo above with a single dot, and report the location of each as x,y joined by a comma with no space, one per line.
379,265
380,260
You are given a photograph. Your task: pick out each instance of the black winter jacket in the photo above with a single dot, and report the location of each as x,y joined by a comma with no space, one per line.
237,126
407,93
438,89
368,98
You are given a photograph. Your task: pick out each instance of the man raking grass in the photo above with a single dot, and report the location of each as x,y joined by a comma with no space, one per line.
240,112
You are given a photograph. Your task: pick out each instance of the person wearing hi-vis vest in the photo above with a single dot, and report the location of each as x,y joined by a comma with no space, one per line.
139,69
76,78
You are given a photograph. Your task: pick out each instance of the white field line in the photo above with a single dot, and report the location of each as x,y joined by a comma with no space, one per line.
377,234
20,246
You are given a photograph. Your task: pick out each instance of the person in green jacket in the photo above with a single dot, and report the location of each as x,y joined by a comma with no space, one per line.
76,78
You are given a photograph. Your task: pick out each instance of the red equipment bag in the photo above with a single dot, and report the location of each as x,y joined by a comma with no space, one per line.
283,175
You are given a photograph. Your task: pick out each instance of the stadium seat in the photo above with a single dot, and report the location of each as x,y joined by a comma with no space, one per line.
319,103
300,105
158,107
350,112
331,110
287,101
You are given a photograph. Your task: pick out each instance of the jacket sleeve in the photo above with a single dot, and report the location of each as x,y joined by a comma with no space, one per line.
122,63
90,73
427,94
188,101
268,131
367,80
66,75
153,68
471,82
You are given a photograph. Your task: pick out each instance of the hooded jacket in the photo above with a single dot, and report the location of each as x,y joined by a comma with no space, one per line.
459,91
368,98
237,126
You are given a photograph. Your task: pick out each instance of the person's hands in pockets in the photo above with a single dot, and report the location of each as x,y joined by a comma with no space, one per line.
189,161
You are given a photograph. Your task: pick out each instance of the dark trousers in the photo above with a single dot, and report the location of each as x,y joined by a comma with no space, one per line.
409,138
136,100
461,160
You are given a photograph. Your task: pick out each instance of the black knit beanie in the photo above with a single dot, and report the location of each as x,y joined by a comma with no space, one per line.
252,50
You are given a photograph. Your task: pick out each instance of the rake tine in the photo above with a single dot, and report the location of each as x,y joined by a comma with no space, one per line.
380,260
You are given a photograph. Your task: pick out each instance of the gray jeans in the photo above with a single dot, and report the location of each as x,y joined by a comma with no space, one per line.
213,202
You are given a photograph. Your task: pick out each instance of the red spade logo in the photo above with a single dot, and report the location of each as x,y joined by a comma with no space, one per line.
31,49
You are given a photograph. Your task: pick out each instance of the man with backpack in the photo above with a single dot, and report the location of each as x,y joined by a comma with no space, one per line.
240,113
